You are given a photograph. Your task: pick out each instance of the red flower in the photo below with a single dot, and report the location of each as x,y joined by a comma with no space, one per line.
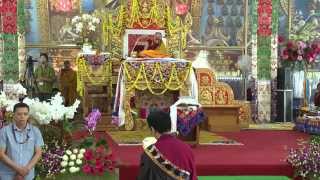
290,45
110,157
100,149
88,155
280,39
99,162
110,168
99,168
87,169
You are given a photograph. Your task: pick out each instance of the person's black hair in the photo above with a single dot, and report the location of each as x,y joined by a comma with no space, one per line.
45,55
20,105
160,121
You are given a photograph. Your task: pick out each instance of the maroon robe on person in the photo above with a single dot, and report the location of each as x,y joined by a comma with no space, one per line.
317,99
168,159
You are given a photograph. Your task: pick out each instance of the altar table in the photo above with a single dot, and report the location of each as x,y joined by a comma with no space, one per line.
155,76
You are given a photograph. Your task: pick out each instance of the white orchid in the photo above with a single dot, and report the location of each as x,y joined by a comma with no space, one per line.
19,89
85,22
92,28
75,19
3,99
63,171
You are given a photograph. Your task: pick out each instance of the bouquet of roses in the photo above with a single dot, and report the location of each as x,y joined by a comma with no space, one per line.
98,160
299,52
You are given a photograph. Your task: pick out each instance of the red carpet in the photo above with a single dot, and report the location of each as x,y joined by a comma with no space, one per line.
263,153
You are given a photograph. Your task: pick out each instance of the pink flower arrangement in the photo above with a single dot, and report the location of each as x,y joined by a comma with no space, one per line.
182,9
98,161
300,51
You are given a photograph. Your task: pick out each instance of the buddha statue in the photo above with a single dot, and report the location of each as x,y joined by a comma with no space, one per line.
214,33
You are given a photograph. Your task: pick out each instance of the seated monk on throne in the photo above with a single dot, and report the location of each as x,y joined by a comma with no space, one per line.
154,47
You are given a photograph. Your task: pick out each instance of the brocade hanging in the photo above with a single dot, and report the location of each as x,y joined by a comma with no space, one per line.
9,16
264,40
10,65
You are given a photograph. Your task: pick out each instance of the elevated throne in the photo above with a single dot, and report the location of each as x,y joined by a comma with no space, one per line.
223,112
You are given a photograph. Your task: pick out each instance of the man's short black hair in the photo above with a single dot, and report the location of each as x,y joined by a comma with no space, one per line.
159,121
45,55
20,105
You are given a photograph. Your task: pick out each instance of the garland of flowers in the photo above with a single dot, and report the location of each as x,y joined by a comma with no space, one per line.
264,39
104,72
274,56
21,38
139,78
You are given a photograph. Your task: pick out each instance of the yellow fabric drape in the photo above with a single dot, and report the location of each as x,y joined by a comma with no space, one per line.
160,52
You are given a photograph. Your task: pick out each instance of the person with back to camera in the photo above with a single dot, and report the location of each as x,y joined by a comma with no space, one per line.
20,146
169,158
316,100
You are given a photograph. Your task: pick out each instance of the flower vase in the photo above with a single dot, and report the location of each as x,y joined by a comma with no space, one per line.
87,46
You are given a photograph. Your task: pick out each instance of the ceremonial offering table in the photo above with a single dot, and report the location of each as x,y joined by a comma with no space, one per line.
308,124
145,85
188,119
222,111
94,85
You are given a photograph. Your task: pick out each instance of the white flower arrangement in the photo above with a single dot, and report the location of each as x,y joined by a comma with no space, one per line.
72,160
43,112
85,23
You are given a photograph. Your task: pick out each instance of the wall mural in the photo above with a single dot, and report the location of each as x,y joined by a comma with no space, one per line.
222,23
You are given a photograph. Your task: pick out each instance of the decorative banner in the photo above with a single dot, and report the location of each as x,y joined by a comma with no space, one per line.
9,16
254,49
265,17
264,40
254,59
10,66
1,55
21,17
264,54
